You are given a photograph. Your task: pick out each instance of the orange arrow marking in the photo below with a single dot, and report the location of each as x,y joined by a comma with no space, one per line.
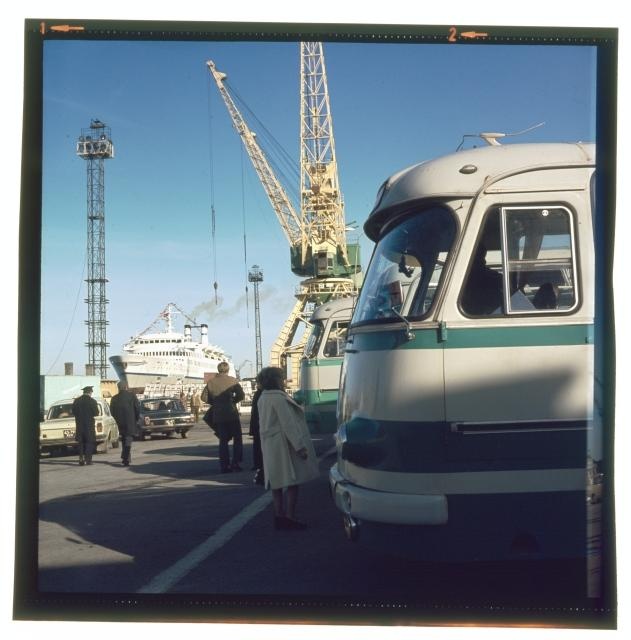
65,28
473,34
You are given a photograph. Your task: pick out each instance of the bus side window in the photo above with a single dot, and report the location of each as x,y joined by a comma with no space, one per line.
483,289
334,346
536,244
541,257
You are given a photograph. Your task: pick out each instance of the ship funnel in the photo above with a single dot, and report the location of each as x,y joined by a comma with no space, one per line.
187,333
204,329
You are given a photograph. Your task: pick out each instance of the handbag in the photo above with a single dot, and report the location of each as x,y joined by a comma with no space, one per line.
204,395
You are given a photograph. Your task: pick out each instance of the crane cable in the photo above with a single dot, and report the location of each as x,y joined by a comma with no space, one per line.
245,243
212,192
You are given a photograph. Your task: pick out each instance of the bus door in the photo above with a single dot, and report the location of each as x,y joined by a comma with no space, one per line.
517,363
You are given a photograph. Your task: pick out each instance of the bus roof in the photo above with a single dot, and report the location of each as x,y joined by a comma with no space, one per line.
464,173
336,305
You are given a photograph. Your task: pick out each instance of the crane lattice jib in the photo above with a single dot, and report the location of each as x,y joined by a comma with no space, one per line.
322,207
287,216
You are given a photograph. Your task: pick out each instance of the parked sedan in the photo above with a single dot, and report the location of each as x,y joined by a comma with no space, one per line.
57,430
164,416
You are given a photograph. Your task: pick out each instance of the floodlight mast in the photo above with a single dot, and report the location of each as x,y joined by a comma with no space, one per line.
95,146
255,275
317,236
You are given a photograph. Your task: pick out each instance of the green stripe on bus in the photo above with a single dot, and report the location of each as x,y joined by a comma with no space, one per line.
475,338
318,397
323,362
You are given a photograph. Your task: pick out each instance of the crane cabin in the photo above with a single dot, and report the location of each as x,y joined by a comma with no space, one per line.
465,411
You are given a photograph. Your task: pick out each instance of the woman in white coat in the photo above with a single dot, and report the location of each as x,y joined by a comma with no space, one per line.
289,458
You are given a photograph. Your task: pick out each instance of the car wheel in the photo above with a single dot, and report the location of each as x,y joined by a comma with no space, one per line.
183,434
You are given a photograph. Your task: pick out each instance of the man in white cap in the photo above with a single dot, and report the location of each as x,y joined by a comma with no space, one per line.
85,408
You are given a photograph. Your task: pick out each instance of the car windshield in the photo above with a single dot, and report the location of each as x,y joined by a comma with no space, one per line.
64,411
161,404
405,269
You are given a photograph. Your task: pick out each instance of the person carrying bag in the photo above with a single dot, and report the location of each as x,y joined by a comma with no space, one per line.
224,393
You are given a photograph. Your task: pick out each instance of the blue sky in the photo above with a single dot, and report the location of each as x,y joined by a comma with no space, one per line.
393,105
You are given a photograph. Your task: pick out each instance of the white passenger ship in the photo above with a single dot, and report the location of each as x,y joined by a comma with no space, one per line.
167,360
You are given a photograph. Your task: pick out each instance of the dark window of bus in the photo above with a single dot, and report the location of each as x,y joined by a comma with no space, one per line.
406,266
536,244
336,340
483,289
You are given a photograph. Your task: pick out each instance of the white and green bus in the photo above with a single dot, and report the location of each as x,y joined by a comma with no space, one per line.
466,403
321,363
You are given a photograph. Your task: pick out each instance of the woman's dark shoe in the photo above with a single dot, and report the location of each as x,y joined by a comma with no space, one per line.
235,467
295,524
226,470
281,522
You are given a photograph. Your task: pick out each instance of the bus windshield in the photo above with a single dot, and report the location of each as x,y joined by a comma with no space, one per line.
406,266
314,340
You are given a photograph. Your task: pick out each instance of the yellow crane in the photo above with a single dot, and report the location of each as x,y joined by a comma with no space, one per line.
317,232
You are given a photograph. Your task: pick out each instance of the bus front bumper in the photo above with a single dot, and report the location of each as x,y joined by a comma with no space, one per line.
357,503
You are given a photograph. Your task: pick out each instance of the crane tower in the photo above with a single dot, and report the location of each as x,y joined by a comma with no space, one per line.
95,146
317,232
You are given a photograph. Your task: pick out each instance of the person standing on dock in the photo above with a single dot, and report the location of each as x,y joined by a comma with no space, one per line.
85,409
255,432
289,458
126,410
196,403
224,393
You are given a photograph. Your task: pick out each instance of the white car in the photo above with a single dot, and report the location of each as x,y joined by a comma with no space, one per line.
57,431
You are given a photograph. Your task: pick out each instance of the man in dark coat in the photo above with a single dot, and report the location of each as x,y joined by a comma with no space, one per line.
126,410
255,432
224,392
84,409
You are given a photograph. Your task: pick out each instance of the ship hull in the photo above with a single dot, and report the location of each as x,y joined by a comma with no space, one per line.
157,360
137,374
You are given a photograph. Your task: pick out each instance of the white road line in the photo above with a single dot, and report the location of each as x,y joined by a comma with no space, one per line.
165,580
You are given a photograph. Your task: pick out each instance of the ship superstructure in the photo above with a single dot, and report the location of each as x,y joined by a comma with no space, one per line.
159,360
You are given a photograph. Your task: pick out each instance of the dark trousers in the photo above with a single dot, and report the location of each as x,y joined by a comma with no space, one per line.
227,431
126,442
257,454
87,446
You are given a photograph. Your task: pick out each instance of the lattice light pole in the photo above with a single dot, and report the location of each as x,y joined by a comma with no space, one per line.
95,146
256,276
